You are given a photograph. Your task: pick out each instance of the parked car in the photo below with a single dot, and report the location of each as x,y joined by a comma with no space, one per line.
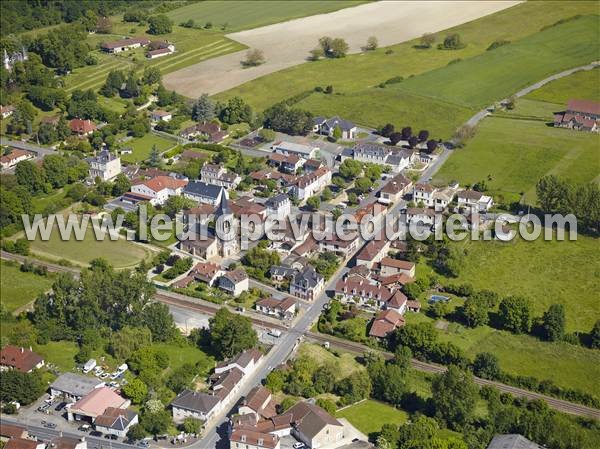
95,433
113,437
143,443
84,428
60,406
50,425
298,445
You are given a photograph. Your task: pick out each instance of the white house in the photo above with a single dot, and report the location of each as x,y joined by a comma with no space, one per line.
311,183
219,176
391,266
204,193
234,282
279,206
124,44
105,166
160,188
475,201
326,126
192,404
423,193
420,215
397,159
14,157
116,421
6,111
160,52
306,284
280,308
245,361
160,115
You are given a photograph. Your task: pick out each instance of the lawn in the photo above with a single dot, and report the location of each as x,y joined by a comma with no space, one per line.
192,46
178,355
513,154
584,84
60,353
494,75
345,363
545,272
142,147
119,253
370,415
360,72
236,15
19,288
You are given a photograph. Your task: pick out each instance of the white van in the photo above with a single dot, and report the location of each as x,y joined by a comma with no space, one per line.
89,365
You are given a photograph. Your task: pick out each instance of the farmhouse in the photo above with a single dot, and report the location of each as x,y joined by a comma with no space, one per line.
391,266
159,189
14,157
160,52
124,44
582,115
298,149
327,127
20,359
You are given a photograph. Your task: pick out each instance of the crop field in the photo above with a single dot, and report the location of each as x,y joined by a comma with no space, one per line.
191,45
362,72
19,288
496,74
236,15
584,84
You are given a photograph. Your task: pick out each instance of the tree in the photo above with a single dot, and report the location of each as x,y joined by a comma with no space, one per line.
486,366
515,314
175,204
136,390
158,319
328,405
363,185
313,202
316,54
324,378
132,88
275,381
287,403
350,169
55,168
454,396
136,432
231,334
151,75
452,42
406,132
372,43
474,312
553,322
21,121
464,133
595,336
337,133
423,135
155,158
281,117
191,425
338,48
439,309
23,388
267,135
30,176
203,109
254,57
156,423
159,24
427,40
236,111
355,387
103,25
412,141
395,137
386,130
121,185
431,146
326,195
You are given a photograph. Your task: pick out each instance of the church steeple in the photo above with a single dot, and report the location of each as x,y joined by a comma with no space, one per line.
223,208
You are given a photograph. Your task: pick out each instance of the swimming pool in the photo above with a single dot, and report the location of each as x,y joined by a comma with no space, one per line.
436,298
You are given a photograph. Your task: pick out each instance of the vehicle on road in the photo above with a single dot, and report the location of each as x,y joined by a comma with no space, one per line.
60,406
275,333
50,425
143,443
84,428
95,433
298,445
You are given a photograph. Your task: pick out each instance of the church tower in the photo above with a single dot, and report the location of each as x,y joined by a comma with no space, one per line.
225,227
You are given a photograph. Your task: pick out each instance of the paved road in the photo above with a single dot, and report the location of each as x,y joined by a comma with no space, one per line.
47,434
40,151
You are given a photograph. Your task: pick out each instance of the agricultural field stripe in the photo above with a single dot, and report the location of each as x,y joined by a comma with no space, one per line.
189,54
202,56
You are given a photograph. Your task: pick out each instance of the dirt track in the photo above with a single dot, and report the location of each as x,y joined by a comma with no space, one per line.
287,44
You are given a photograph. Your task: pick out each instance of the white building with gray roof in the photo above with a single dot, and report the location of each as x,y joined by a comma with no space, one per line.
73,387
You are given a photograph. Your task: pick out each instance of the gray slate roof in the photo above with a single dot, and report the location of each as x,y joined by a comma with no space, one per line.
512,441
194,401
276,200
202,189
75,385
308,278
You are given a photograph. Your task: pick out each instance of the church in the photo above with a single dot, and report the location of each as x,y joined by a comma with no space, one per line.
222,241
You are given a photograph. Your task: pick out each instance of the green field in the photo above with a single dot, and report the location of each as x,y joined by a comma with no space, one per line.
512,151
192,46
370,415
142,147
582,85
236,15
19,288
119,253
494,75
546,272
355,77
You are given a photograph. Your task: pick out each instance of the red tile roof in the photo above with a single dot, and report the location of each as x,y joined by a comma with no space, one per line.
21,359
20,443
96,402
585,106
159,183
395,263
12,431
80,126
385,322
125,43
206,270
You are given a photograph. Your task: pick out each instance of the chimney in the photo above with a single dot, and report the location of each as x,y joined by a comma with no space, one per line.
22,350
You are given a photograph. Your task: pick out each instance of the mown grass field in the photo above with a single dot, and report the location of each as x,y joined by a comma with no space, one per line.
142,147
236,15
583,85
546,272
19,288
119,253
567,365
355,77
497,74
370,415
192,46
511,155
